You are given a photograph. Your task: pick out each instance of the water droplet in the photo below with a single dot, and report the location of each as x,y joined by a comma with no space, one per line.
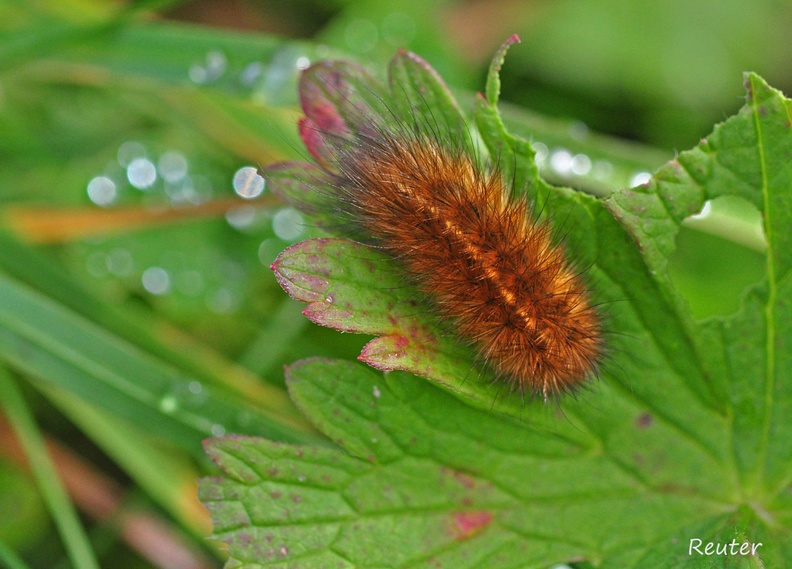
269,250
581,164
640,178
212,68
705,211
241,217
120,263
251,73
180,192
168,404
561,161
301,478
280,76
288,224
102,191
377,392
224,301
361,36
197,73
141,173
200,190
195,387
247,182
578,130
172,166
541,152
156,280
218,430
130,151
329,299
303,63
602,170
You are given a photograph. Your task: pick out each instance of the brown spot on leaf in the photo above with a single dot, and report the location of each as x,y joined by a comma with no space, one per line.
644,420
467,481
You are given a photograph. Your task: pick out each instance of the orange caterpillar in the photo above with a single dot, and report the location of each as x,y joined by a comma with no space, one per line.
409,187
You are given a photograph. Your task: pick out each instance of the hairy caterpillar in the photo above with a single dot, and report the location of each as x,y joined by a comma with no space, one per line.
402,180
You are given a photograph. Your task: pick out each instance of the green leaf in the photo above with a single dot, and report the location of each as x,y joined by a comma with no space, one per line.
419,96
428,480
749,355
492,90
685,436
514,156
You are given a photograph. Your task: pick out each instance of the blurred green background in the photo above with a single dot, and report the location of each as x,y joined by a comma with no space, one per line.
137,311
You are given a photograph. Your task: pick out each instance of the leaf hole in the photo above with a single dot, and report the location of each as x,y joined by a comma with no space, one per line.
719,253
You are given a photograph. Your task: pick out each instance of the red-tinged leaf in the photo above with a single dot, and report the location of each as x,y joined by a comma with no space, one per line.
366,296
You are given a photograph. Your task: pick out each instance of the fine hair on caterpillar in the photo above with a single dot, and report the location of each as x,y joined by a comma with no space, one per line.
411,183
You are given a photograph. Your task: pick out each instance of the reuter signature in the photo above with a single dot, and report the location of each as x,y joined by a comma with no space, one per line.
713,548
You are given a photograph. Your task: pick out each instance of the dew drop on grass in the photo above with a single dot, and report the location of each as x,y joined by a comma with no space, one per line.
561,161
168,404
602,170
241,217
223,301
581,164
247,183
278,82
541,151
210,69
288,224
120,262
172,166
129,151
640,178
102,191
578,130
141,173
156,280
251,73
